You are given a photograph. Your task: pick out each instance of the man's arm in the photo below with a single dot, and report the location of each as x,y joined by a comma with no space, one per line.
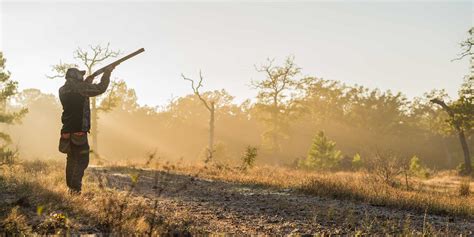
88,89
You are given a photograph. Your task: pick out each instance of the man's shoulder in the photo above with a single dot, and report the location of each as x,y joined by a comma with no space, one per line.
64,89
71,87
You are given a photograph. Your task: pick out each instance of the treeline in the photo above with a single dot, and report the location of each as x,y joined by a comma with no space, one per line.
289,111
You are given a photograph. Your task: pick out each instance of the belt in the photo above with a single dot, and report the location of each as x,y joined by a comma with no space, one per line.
68,135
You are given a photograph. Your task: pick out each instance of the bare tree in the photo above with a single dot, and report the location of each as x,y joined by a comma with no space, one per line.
90,59
210,106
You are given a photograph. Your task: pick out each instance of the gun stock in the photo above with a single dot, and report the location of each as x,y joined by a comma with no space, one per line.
117,62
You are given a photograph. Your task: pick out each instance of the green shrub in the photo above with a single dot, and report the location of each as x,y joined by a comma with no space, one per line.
356,162
249,157
322,154
417,169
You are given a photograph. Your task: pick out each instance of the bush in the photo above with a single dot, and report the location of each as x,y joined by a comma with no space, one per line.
417,169
322,154
249,157
386,167
7,156
357,162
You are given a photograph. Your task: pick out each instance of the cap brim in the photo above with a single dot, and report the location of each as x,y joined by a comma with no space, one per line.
83,72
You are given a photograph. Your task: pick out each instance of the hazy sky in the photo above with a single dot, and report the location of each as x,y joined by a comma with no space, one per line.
403,46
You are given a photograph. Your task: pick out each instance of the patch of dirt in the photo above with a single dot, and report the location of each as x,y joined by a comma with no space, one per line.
223,207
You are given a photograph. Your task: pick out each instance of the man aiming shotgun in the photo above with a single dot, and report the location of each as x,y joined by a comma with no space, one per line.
74,96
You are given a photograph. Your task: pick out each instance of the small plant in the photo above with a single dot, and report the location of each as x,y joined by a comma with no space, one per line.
417,169
7,156
386,166
464,187
322,154
53,224
357,161
249,157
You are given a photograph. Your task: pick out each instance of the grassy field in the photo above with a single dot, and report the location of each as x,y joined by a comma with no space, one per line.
35,199
444,193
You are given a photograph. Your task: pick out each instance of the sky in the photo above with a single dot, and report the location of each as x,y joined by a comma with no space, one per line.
398,45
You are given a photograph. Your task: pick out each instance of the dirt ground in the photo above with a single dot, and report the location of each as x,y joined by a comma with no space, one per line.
212,206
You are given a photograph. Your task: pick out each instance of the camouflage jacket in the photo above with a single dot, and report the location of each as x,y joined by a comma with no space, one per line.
74,96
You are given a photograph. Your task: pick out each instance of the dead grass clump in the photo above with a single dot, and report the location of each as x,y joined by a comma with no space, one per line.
118,213
15,223
325,186
464,187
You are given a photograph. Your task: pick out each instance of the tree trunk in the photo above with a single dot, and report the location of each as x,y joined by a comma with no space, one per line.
211,133
274,136
462,137
465,149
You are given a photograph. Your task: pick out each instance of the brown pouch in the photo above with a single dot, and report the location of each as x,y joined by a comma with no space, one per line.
65,143
79,138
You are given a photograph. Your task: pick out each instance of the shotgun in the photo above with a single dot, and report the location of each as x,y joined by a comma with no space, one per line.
100,71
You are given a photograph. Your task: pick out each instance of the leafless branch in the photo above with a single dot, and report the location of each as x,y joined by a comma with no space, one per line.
60,70
196,90
466,46
99,54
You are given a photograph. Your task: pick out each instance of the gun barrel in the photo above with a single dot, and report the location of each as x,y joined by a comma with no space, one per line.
117,62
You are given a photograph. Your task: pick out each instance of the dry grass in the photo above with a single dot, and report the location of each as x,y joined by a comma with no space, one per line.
439,195
35,200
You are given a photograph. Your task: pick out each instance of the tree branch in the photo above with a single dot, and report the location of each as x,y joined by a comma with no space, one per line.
444,106
196,90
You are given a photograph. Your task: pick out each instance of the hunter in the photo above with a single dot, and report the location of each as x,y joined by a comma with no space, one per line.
74,96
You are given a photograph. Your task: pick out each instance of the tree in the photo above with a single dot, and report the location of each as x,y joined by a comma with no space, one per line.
466,46
381,112
119,96
276,104
8,88
461,117
325,100
322,154
90,59
210,104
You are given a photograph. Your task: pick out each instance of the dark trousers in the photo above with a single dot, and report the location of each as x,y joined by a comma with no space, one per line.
77,162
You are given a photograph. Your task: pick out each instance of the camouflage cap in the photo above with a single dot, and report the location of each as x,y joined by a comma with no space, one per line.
73,72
